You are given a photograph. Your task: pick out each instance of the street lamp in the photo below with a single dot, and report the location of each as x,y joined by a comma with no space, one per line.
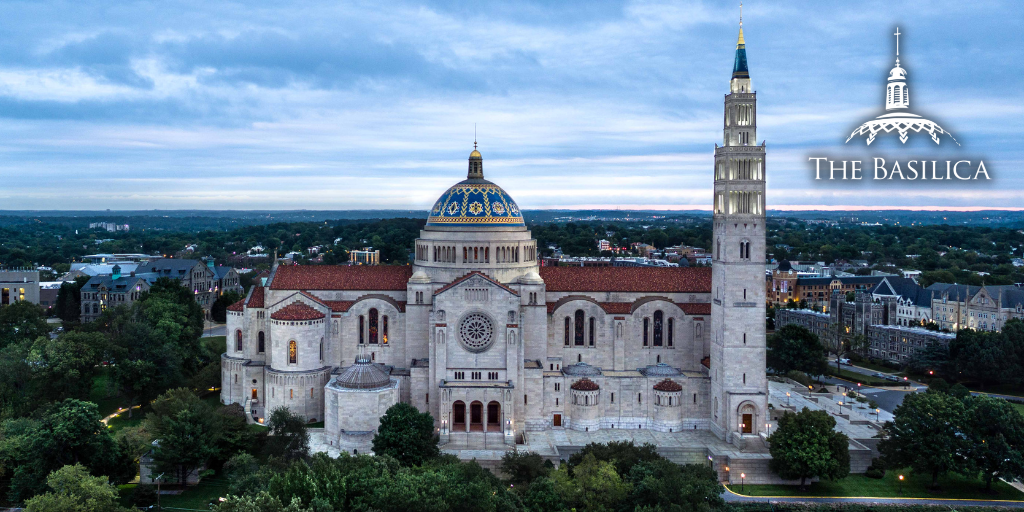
901,485
787,398
876,413
769,427
840,407
743,479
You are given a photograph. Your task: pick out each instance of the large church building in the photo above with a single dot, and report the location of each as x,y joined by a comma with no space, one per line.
493,346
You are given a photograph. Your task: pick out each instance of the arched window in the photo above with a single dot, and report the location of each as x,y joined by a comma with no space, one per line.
238,341
671,329
293,356
262,344
568,330
647,329
373,326
578,340
718,250
659,320
362,329
321,350
590,335
384,337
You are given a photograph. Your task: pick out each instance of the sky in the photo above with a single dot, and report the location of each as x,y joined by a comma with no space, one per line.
576,104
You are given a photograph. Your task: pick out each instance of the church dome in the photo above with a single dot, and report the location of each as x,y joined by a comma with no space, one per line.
475,202
363,375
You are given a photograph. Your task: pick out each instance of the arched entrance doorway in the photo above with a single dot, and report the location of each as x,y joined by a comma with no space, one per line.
493,417
748,418
476,417
459,416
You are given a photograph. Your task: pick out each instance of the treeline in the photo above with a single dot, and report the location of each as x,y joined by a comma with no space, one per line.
978,249
56,245
127,358
980,358
580,239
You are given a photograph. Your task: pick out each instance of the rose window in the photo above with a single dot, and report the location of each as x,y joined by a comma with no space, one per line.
476,332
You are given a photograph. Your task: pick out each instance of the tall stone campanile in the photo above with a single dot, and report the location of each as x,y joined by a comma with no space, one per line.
739,389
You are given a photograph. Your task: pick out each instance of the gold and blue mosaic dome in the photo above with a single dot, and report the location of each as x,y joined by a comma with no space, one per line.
475,202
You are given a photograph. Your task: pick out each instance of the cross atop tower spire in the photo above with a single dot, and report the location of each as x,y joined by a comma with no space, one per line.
897,34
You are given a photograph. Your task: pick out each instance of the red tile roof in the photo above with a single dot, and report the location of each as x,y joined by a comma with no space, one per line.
668,385
585,384
337,277
627,279
469,275
340,306
617,308
238,306
297,311
256,297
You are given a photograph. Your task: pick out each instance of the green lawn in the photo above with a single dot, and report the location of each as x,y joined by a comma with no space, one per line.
216,344
914,486
1019,407
200,496
860,377
99,393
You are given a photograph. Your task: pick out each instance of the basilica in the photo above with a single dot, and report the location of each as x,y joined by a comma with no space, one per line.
495,346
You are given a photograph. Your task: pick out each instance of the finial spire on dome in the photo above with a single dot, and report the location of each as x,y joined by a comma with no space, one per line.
739,41
739,68
476,161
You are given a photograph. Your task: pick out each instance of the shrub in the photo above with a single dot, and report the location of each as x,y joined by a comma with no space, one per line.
875,473
800,377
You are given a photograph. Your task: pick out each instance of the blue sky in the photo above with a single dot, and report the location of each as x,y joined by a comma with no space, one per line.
607,104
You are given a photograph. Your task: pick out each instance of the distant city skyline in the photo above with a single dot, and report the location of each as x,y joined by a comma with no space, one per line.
604,105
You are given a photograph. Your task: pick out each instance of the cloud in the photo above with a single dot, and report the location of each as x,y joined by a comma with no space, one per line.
607,103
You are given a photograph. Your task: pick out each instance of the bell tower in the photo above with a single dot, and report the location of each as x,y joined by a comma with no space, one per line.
739,389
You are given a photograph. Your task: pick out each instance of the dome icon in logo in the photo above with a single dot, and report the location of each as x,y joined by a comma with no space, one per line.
898,117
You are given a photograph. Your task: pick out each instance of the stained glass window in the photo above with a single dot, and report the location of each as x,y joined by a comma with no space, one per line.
568,328
293,355
659,320
593,325
647,329
362,330
384,338
670,331
578,340
238,341
373,326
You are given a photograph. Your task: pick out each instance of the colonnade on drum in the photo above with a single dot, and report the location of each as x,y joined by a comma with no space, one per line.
476,417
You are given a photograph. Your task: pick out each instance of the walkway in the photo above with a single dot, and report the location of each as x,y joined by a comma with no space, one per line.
733,497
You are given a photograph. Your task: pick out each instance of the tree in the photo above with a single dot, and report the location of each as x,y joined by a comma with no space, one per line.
69,433
68,306
927,434
407,435
135,380
62,364
523,468
795,348
997,438
664,485
219,308
288,437
75,490
186,441
592,485
805,445
21,321
622,454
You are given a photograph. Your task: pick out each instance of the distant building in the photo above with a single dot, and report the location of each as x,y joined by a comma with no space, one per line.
19,285
109,226
48,291
116,257
604,245
865,316
367,256
112,290
986,308
98,269
786,284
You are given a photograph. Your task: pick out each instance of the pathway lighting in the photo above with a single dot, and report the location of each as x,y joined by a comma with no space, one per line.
743,478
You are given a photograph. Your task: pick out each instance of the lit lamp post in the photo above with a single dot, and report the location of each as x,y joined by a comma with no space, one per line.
787,398
711,462
768,426
840,407
743,479
876,413
901,485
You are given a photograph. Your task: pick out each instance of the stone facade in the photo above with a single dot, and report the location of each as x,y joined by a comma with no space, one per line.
877,320
493,346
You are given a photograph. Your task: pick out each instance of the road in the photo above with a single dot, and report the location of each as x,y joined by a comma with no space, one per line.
214,329
739,498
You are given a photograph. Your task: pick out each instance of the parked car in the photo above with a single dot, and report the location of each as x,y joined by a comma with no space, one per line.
892,378
844,361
